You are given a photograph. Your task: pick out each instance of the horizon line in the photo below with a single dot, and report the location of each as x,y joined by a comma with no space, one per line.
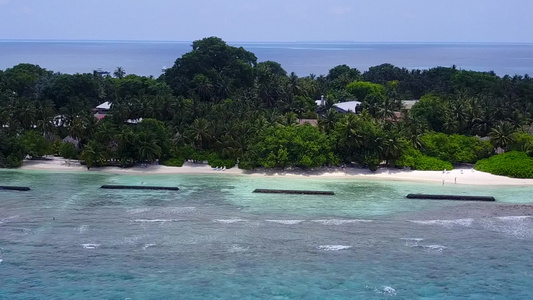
273,42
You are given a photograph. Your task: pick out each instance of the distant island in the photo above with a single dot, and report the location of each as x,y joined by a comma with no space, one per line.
218,105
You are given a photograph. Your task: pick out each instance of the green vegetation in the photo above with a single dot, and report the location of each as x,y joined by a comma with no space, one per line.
218,104
512,164
455,148
414,159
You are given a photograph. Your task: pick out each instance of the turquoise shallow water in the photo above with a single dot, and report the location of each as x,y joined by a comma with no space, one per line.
216,239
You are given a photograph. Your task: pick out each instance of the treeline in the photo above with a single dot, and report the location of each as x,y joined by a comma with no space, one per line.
217,103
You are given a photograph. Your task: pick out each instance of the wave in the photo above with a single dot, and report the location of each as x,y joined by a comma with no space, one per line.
237,249
513,218
333,247
8,219
146,246
438,248
387,290
446,223
90,246
228,221
340,221
155,220
412,242
138,210
286,222
412,239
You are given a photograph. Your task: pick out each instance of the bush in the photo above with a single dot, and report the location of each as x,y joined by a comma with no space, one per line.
11,152
67,150
35,144
455,148
523,142
512,164
246,165
215,161
13,161
428,163
174,162
415,159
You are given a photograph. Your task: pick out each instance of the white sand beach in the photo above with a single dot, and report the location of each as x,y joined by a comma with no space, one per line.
456,176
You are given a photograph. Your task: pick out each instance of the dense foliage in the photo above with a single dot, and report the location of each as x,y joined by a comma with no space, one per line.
414,159
513,164
455,148
218,104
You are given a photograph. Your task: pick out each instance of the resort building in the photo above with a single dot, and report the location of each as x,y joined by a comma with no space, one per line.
102,110
341,107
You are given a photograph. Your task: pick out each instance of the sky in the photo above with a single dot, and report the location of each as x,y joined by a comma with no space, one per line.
269,20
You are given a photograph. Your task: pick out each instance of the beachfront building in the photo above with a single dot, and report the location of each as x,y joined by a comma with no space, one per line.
408,104
103,109
354,107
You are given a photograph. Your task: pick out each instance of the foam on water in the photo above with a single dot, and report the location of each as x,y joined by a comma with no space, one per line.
438,248
8,219
237,249
83,228
229,221
1,260
512,226
146,246
90,246
333,247
513,218
412,239
156,220
340,221
445,223
386,290
286,222
412,242
138,210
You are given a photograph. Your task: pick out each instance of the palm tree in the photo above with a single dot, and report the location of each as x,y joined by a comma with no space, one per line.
328,121
119,73
199,133
501,136
91,155
392,148
149,150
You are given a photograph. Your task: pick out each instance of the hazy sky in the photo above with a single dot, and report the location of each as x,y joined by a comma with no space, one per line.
270,20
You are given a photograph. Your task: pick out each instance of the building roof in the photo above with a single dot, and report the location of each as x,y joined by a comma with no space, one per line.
347,106
105,105
408,104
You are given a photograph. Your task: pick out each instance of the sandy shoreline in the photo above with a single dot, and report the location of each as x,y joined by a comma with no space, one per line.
458,176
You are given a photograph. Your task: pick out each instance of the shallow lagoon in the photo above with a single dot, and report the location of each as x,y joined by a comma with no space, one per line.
216,239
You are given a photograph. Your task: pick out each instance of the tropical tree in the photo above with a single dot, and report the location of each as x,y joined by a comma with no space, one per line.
502,135
119,73
92,154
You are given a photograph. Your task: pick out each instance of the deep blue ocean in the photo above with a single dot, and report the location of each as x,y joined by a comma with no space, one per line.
215,239
148,58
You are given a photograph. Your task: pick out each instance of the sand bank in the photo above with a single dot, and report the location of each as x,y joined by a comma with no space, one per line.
457,176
